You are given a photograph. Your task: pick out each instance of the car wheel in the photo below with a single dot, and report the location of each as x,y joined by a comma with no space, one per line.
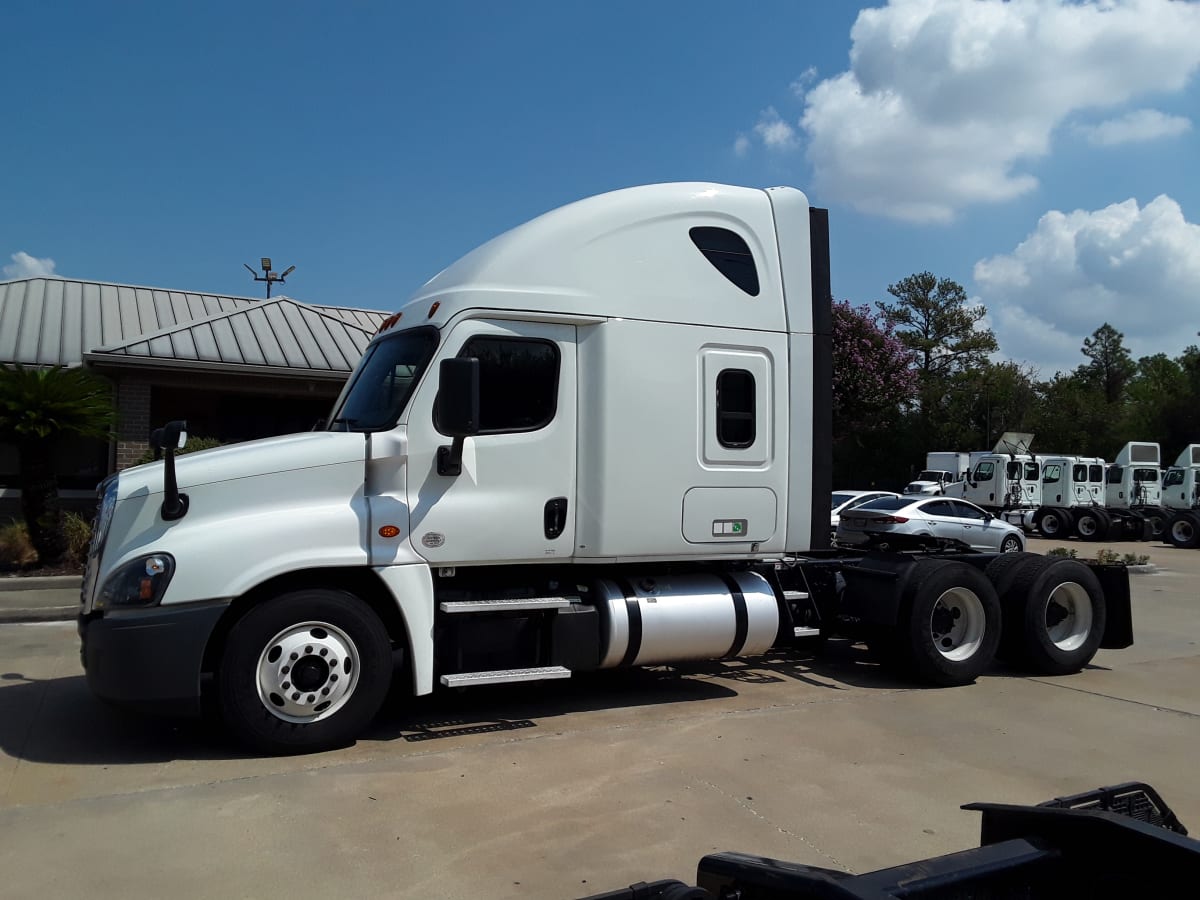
1011,544
304,671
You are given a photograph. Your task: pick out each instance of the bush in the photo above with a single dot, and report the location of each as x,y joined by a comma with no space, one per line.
1135,559
1068,552
78,531
193,444
16,550
1107,557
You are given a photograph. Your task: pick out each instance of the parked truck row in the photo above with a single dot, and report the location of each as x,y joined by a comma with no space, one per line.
1060,495
600,440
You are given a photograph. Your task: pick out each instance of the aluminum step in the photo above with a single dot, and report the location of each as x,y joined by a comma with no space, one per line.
795,595
504,676
801,631
504,604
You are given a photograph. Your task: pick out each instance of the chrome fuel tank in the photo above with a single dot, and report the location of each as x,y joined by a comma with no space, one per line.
647,619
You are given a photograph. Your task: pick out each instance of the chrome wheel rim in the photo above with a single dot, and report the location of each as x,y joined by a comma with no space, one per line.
957,624
307,672
1068,616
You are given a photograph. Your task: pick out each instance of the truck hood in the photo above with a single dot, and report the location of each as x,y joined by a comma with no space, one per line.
922,487
310,449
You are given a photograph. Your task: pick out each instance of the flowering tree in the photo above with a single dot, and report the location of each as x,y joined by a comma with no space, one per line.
873,373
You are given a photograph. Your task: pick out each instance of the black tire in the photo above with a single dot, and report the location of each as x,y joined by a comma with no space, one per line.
1158,518
1054,523
1001,572
313,626
1092,525
1044,596
949,624
1183,531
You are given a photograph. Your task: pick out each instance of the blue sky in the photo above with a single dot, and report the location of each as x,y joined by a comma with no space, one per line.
1042,153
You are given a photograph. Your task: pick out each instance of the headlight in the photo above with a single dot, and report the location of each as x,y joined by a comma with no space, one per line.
104,515
140,582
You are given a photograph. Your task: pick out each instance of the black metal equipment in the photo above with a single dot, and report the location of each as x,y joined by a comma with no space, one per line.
1114,842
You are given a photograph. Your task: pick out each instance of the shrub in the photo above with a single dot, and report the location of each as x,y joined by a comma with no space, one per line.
16,550
1135,559
78,532
1068,552
1107,557
193,444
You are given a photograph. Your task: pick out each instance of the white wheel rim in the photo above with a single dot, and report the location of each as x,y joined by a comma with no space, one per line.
1068,616
1182,532
1087,526
1010,545
1050,524
957,624
307,672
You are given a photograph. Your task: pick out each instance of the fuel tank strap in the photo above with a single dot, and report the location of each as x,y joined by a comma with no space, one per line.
634,610
740,614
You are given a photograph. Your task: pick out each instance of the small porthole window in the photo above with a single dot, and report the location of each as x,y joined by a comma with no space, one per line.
735,408
729,254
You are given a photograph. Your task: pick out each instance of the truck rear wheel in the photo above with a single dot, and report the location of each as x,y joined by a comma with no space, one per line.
1157,517
1184,530
950,623
1054,523
1059,609
1092,525
305,671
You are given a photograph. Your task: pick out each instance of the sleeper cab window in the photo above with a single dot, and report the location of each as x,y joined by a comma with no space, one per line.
729,254
735,408
518,382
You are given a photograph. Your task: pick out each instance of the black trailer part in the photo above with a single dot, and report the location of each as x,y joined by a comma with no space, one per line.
1114,843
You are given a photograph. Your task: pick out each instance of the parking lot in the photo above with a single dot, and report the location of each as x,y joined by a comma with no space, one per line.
562,789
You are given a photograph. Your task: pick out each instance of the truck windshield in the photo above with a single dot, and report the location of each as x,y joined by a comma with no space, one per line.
380,387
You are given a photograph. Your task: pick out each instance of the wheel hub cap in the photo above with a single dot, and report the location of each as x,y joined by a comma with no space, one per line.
957,624
307,672
1068,616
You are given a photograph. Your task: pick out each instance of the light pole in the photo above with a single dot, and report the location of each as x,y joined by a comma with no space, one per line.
268,276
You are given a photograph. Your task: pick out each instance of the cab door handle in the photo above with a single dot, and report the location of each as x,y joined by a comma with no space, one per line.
555,517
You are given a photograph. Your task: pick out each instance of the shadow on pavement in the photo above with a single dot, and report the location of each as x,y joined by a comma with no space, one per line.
59,721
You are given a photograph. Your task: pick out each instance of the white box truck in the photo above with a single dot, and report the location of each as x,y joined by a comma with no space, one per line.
599,440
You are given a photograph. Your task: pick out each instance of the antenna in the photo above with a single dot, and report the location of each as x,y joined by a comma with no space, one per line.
268,276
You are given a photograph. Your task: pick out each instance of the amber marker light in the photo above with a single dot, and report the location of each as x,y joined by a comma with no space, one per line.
389,531
434,308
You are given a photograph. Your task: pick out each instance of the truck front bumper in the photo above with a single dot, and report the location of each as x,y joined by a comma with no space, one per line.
149,659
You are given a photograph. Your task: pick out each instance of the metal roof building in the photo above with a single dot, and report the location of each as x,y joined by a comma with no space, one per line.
235,368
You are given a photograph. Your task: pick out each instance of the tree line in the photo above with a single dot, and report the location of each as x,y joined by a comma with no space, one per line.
915,374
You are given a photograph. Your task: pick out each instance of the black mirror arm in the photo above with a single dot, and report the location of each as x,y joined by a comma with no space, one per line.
449,459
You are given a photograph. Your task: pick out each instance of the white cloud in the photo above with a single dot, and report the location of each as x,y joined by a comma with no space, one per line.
1137,126
1135,268
945,99
25,266
775,133
742,145
799,87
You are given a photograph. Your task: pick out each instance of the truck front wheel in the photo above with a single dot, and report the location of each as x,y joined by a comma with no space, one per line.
304,671
950,623
1184,530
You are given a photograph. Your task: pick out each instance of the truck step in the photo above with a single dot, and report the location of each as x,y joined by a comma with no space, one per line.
801,631
504,604
795,595
504,676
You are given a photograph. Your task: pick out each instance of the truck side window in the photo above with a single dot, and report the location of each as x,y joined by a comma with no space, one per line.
1096,474
1051,474
729,254
1012,471
1174,477
1114,474
1079,472
735,408
984,471
518,382
1031,471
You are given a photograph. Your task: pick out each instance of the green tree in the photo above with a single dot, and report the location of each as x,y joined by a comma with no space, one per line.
1111,366
935,320
40,408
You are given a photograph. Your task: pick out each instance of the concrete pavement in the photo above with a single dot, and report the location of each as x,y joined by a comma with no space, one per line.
39,599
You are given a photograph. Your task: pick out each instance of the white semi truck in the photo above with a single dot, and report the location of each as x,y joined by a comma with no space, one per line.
599,440
1181,496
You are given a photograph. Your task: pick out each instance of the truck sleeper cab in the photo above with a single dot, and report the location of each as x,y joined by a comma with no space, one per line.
599,440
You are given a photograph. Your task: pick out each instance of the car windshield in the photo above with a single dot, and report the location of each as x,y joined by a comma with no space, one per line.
886,503
376,394
841,500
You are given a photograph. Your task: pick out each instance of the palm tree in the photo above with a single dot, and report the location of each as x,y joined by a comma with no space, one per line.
39,409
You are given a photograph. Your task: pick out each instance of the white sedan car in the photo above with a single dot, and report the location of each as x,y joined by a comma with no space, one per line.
844,500
908,519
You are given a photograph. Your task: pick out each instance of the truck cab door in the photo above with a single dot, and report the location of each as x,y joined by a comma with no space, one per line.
514,498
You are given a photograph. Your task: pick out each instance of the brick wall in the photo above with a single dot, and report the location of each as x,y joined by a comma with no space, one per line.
133,427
